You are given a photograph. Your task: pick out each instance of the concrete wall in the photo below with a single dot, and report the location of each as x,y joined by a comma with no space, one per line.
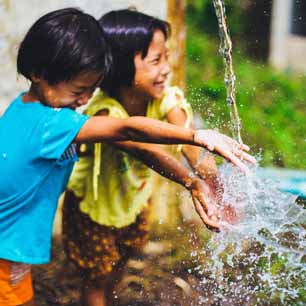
16,16
287,50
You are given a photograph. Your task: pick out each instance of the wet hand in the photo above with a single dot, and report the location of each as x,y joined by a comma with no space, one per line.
228,214
225,146
205,204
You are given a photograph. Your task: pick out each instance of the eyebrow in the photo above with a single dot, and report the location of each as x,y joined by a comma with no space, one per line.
160,53
154,55
86,87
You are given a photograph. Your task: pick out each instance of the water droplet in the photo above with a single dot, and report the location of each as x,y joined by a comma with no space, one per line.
229,101
4,155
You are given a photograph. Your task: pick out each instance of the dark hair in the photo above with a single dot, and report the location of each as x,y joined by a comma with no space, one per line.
62,44
128,33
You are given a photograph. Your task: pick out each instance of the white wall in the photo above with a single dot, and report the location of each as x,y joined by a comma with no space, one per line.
16,16
287,51
280,27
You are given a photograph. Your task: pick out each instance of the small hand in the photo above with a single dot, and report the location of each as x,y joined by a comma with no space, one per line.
228,214
205,204
224,146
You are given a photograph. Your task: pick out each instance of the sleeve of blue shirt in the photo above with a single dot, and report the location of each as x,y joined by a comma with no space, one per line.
59,130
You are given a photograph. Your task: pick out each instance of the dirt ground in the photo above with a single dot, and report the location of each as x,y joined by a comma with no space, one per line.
167,273
160,275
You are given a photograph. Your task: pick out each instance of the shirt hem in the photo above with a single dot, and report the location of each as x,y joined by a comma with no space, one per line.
25,259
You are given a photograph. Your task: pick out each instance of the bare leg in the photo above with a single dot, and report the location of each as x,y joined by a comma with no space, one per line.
100,291
93,295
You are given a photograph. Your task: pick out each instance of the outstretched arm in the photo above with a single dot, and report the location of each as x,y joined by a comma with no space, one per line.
142,129
206,168
166,165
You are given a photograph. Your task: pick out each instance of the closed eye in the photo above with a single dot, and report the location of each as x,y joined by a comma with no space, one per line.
155,60
77,93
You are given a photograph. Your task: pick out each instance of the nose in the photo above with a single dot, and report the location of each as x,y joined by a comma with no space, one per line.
83,99
166,69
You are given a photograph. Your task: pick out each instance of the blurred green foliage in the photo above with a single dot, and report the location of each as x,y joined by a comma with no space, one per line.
203,15
272,105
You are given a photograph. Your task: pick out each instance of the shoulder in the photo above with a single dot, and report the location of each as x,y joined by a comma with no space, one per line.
173,97
174,92
100,101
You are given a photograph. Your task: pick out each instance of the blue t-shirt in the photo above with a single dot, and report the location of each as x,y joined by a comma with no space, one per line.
36,159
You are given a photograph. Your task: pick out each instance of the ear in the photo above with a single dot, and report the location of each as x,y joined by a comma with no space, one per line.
35,79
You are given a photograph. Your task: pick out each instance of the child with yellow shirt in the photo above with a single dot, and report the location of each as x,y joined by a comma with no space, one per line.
109,191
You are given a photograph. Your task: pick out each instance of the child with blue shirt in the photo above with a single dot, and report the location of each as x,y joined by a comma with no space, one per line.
65,57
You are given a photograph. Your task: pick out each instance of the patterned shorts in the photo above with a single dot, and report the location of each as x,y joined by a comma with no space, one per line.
97,249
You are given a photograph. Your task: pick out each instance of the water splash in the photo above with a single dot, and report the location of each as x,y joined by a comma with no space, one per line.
260,257
225,51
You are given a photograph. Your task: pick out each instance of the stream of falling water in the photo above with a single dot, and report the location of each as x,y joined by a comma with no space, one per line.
229,77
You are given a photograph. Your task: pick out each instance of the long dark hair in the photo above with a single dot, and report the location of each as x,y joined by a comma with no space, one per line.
128,32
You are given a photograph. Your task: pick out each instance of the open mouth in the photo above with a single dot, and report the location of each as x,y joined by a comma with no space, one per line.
159,84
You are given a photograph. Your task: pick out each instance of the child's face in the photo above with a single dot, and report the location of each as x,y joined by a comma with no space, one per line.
153,70
71,94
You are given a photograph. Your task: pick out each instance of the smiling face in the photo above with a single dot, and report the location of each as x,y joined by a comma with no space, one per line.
71,94
152,71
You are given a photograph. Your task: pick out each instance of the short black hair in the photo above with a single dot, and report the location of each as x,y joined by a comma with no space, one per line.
128,32
62,44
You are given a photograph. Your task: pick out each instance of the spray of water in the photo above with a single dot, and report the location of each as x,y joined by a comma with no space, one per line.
259,258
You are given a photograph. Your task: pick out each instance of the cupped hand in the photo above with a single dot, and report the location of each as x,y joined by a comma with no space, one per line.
205,204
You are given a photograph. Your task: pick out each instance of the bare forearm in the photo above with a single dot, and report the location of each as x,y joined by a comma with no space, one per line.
206,168
169,167
159,160
192,154
142,129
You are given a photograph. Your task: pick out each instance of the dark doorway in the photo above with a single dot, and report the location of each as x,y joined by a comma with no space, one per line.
298,21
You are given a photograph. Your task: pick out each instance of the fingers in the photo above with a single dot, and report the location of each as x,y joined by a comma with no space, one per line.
225,146
235,160
247,157
203,138
229,214
239,146
244,156
244,147
209,206
211,224
239,150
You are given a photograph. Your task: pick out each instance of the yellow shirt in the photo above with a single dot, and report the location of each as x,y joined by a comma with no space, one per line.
114,186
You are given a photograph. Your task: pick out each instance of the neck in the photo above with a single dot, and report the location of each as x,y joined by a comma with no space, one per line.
134,103
31,95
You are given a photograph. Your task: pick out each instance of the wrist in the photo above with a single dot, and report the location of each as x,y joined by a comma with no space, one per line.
200,137
206,138
191,181
194,136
